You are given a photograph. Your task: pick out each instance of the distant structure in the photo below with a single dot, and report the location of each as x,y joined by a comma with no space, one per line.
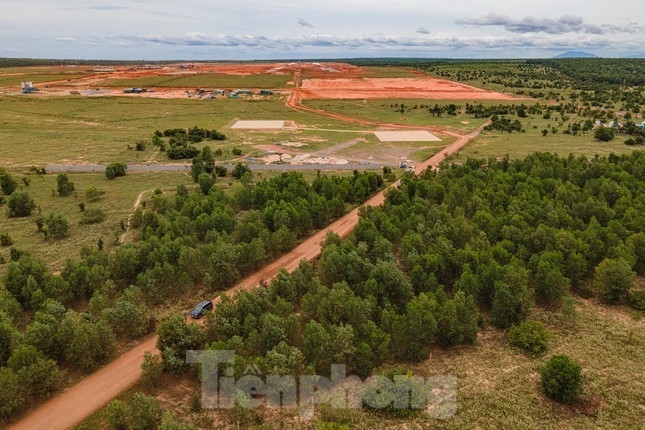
28,87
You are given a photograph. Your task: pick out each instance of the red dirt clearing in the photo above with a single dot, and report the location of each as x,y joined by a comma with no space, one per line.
395,88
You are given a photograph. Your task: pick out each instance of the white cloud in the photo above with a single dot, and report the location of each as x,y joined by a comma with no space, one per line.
562,25
301,22
247,29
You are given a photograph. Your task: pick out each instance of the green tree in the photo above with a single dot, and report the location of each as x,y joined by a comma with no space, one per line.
114,170
317,346
12,396
206,182
151,369
561,378
511,297
145,412
92,193
175,338
613,278
56,226
239,170
7,182
20,204
129,315
38,374
65,186
117,414
530,336
604,134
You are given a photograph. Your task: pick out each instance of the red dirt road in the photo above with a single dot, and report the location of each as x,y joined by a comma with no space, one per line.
80,401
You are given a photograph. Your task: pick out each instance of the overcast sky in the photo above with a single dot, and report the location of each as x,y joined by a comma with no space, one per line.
274,29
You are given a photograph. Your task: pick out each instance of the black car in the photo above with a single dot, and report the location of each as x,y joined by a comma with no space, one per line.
199,310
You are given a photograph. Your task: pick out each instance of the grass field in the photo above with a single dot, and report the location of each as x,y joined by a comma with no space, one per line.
37,131
205,80
385,110
489,143
117,203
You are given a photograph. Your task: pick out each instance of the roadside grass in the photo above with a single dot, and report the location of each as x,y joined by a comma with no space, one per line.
209,80
517,145
117,203
100,130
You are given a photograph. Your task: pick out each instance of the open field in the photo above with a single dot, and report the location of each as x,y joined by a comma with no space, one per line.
517,145
117,203
489,143
100,130
415,111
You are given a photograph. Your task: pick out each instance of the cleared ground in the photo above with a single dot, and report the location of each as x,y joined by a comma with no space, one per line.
406,136
383,88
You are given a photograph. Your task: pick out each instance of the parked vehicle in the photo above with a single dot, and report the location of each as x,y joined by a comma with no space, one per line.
202,307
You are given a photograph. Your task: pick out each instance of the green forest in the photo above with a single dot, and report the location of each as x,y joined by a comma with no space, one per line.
477,244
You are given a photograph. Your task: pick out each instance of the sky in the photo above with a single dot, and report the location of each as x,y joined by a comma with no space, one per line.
286,29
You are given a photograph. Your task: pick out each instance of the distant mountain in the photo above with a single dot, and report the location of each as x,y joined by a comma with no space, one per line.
576,54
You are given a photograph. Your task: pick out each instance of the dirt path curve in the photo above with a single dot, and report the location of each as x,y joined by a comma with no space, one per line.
136,204
96,390
294,102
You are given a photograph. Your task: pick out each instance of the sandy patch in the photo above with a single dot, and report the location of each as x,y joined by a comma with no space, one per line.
406,136
293,144
258,125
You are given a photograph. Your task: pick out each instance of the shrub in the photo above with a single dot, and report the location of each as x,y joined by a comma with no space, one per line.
92,216
182,152
5,239
15,254
221,171
141,146
65,187
613,278
237,151
56,226
7,182
20,204
239,170
561,378
115,170
530,336
93,193
636,299
604,134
